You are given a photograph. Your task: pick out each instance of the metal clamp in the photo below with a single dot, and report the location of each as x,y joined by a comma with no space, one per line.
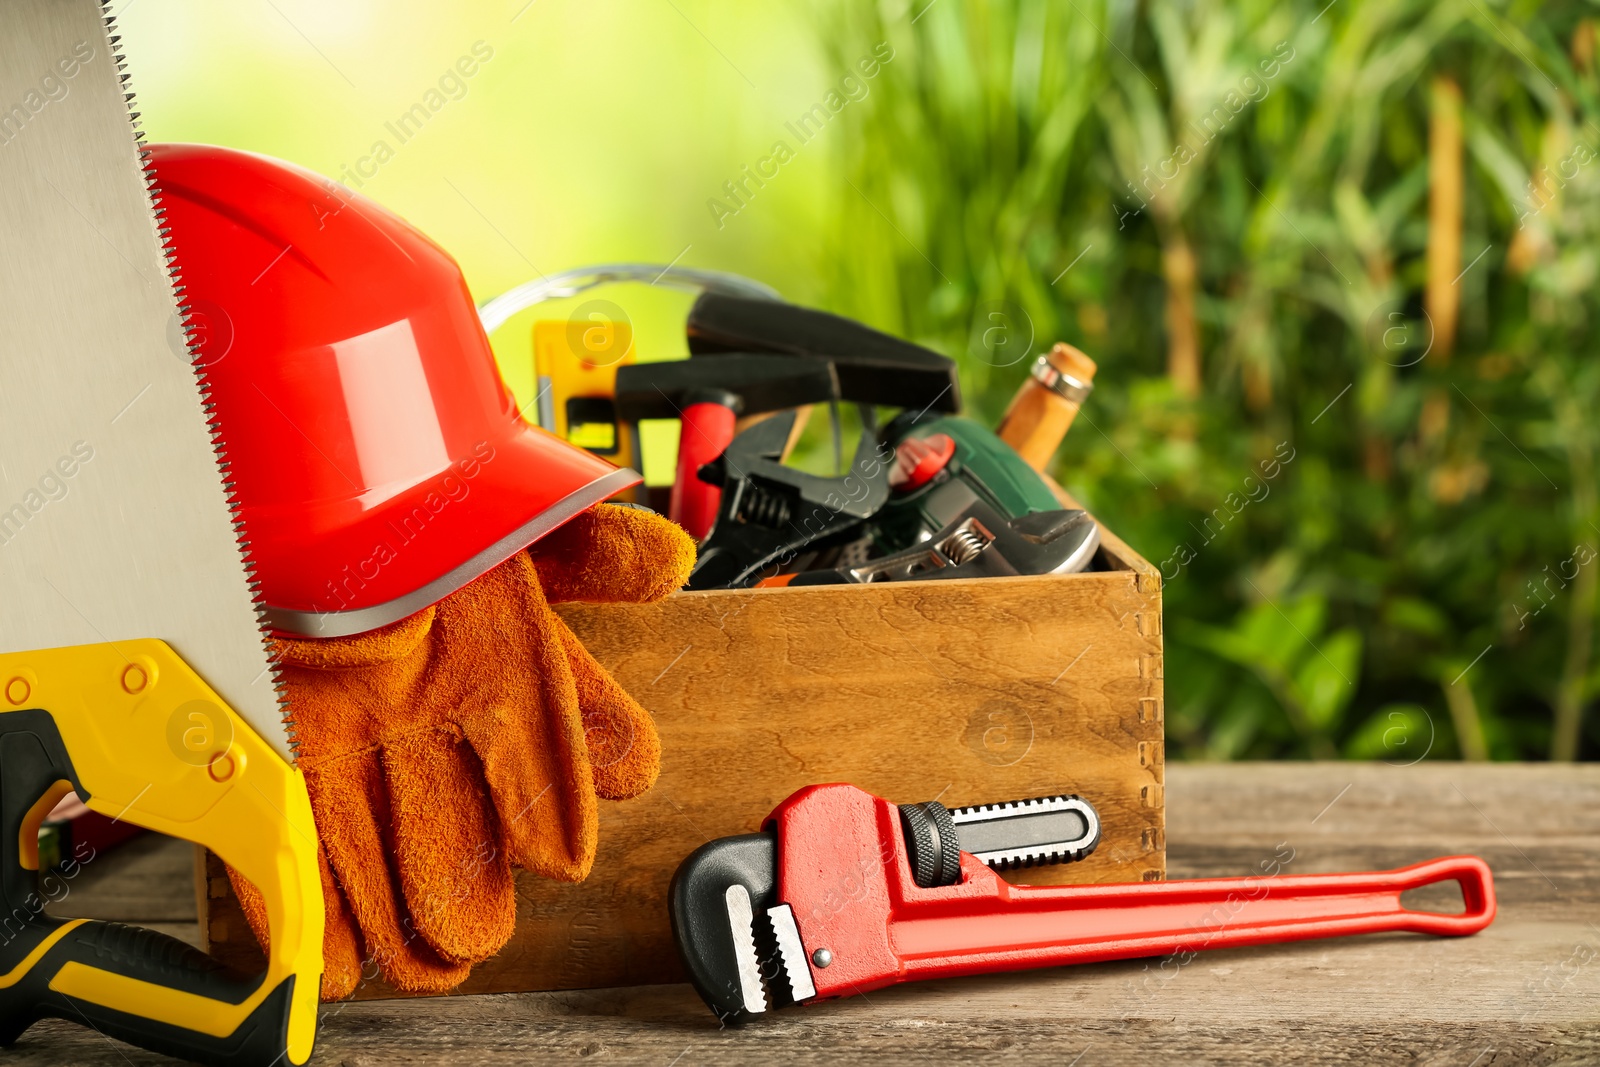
1059,382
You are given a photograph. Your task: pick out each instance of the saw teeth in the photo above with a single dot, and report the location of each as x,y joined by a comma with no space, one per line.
747,964
174,272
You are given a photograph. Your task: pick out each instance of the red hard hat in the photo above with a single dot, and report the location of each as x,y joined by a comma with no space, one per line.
378,460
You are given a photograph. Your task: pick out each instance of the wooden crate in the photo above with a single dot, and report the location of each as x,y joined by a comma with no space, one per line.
968,692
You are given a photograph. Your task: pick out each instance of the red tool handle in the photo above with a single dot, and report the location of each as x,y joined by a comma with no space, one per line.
1023,926
706,432
844,870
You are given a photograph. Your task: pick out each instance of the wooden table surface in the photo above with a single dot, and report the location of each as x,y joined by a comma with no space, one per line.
1527,990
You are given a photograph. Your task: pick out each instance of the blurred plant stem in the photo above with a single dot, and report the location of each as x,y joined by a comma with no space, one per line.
1183,330
1575,672
1464,715
1443,300
1570,692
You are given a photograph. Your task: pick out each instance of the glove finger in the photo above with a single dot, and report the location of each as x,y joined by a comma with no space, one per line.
349,800
543,789
533,754
254,907
613,554
624,748
531,746
341,941
455,875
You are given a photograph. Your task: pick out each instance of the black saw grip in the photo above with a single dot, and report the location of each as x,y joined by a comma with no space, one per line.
32,759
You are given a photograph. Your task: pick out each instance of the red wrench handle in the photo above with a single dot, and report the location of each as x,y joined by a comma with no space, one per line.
844,871
1019,927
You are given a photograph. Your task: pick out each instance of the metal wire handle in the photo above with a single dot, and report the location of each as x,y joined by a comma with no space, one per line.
496,312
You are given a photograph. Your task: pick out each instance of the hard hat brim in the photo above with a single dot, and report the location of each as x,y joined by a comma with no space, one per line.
404,554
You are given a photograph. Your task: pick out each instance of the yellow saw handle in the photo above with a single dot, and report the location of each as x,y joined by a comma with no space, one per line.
143,739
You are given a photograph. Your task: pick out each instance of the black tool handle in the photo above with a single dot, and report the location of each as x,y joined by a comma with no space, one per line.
80,970
873,367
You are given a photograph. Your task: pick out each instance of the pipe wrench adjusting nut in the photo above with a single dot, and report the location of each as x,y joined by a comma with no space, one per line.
931,843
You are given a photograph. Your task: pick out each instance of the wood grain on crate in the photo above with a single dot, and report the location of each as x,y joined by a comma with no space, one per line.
967,692
1524,991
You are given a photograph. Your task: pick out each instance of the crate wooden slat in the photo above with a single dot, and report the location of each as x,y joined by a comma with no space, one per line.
969,692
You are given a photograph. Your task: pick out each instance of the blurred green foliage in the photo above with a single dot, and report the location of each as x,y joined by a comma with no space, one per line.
1415,577
1367,550
596,133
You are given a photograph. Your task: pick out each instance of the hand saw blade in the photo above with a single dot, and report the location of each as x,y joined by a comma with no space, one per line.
114,520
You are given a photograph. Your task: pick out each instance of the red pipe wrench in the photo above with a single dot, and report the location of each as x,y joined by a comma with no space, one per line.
844,893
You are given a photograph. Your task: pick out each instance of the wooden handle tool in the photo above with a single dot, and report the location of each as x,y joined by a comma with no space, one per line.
1045,406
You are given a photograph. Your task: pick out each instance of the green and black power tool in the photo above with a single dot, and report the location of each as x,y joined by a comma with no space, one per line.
962,504
932,496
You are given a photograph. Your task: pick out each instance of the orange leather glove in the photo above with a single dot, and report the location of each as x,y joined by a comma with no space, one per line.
468,739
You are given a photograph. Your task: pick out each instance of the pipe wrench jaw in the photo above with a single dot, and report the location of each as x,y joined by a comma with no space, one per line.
741,947
1028,833
805,909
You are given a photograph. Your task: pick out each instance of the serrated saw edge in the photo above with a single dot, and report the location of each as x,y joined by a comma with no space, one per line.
174,274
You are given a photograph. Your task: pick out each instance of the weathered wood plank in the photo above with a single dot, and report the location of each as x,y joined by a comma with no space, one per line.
1525,991
1391,1000
146,880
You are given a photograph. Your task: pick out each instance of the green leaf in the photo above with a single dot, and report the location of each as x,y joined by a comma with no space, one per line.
1416,615
1395,733
1229,644
1326,680
1276,634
